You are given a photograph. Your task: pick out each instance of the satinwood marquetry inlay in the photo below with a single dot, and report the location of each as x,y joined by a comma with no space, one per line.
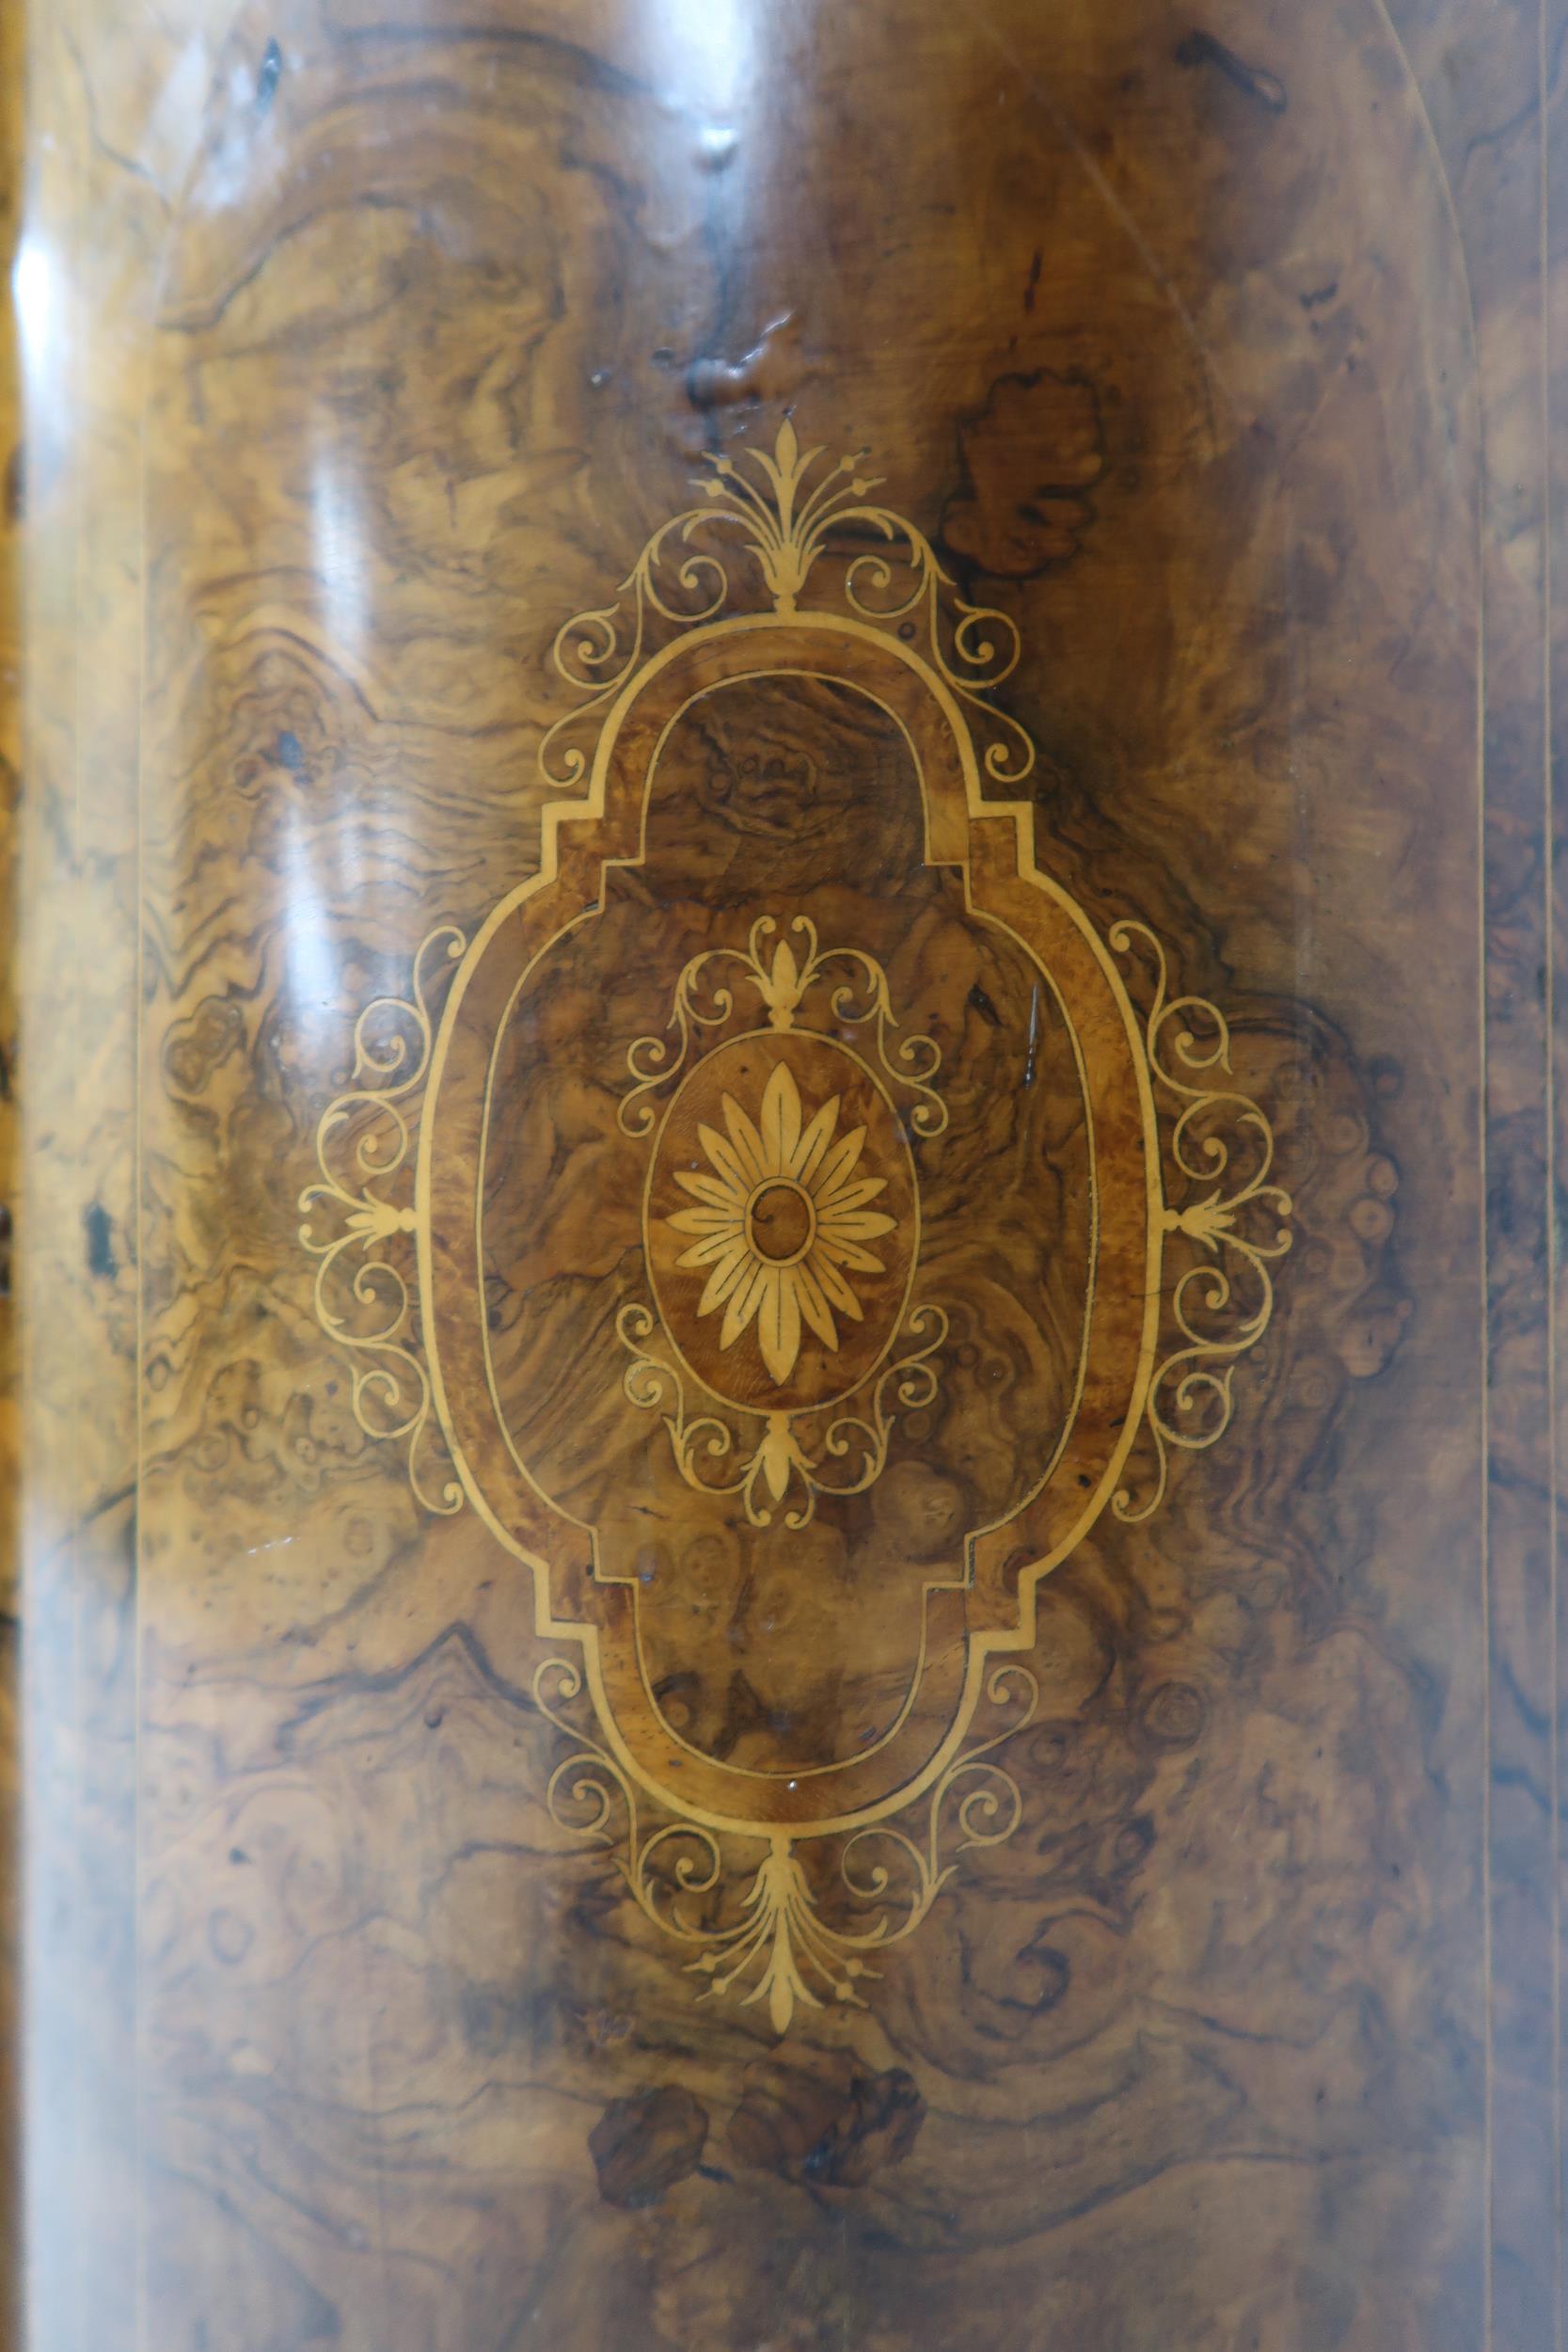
788,1077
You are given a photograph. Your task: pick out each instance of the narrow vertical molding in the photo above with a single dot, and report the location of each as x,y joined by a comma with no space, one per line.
12,155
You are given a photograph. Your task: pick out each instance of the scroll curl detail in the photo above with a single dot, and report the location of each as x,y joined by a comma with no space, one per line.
587,1789
782,975
1222,1305
773,1942
792,511
705,1446
363,1141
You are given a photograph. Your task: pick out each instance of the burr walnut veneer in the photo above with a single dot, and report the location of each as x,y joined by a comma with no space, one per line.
788,988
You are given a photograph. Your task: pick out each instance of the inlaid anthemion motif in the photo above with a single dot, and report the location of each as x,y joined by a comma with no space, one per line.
805,1186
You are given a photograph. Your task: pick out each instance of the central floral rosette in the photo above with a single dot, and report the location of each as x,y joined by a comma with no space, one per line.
781,1221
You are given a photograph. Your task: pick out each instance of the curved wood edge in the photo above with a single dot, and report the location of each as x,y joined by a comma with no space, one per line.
13,145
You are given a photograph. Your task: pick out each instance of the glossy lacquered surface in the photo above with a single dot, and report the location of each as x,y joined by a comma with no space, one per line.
787,1014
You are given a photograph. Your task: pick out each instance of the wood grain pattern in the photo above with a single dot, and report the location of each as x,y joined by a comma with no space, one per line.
12,167
1163,334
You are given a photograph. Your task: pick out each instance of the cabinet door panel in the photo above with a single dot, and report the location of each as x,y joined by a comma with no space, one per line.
812,1064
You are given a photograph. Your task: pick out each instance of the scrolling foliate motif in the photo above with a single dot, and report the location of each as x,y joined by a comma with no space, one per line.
363,1139
854,1448
790,1223
768,1935
1222,1305
773,1124
792,513
782,981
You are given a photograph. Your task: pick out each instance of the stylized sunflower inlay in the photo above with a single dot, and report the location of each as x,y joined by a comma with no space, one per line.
781,1218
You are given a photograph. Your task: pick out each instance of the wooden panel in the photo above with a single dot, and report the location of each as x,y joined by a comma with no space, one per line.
1104,1799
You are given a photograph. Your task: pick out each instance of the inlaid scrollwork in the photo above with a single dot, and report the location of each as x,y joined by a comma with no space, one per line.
1222,1305
363,1141
790,524
703,1445
817,1169
784,1333
778,1946
782,981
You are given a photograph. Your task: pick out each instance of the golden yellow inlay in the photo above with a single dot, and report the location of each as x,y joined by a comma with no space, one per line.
780,1223
781,1218
861,582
